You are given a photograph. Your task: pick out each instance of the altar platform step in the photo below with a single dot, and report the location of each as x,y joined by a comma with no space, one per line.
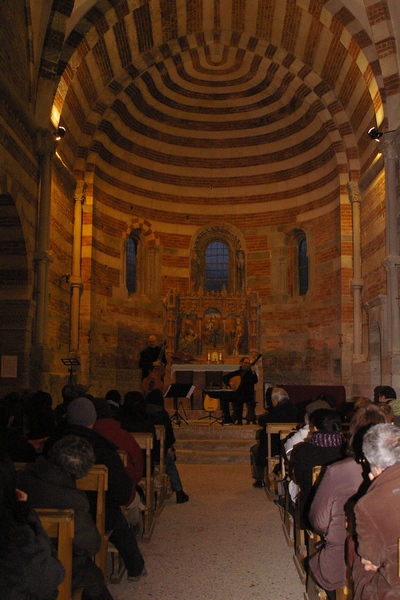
207,442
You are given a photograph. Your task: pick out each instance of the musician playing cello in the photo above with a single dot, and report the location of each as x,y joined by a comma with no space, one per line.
242,381
153,358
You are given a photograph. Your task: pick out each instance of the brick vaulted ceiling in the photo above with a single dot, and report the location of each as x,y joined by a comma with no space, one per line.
205,106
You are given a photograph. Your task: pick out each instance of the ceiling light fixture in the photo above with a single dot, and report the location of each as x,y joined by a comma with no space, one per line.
374,133
59,134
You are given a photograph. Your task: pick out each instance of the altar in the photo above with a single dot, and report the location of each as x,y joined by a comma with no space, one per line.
205,376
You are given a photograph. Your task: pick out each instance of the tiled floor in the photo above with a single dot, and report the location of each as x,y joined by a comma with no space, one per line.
225,543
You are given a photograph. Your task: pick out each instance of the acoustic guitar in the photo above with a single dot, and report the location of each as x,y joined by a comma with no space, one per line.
155,379
235,381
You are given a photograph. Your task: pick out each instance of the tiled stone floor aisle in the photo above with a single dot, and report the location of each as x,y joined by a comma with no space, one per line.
225,543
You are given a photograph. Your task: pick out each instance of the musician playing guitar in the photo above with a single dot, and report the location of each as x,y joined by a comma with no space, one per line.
153,357
242,381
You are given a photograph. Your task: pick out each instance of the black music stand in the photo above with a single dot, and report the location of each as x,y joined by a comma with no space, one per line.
71,363
176,391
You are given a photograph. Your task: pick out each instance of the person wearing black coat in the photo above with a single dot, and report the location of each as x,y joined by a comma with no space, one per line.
29,567
81,416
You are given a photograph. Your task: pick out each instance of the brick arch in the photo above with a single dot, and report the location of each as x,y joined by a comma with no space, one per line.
150,237
385,43
150,53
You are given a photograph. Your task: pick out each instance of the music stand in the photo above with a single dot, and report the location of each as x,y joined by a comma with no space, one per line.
176,391
70,362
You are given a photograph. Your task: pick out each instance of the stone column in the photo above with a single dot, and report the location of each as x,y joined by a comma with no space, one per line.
392,260
45,146
76,279
357,282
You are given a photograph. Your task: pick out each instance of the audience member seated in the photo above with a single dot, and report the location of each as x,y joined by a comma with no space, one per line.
375,571
340,483
324,446
12,440
113,398
387,395
134,418
29,567
51,483
81,416
111,429
39,419
69,392
155,409
282,411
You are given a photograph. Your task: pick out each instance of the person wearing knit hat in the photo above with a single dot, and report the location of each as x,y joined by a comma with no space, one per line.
81,411
80,418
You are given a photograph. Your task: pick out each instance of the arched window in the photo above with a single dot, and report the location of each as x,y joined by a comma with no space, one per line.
216,267
302,266
131,250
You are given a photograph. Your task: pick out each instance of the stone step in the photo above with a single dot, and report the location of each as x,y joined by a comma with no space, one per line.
213,444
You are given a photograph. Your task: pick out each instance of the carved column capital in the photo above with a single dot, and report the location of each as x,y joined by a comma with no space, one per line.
44,142
353,191
388,146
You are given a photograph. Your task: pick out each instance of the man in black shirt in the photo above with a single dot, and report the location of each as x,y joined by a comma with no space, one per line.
152,356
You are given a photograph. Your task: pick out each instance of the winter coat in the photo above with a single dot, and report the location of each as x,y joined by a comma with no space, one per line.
112,431
29,568
49,487
327,517
378,530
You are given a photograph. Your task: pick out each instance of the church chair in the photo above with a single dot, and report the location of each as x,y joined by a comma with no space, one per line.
97,481
145,441
161,478
117,564
271,479
59,525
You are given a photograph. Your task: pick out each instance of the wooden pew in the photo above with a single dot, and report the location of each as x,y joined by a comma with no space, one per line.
145,441
161,489
272,461
97,481
59,524
117,564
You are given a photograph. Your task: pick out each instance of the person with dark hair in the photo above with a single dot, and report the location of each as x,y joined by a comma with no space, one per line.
29,567
242,381
134,418
387,395
282,411
69,392
324,446
12,440
114,398
81,416
39,419
342,480
375,572
155,409
111,429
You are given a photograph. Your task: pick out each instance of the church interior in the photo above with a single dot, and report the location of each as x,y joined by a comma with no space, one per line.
220,173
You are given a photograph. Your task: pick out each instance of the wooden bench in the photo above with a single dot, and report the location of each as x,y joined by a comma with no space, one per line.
59,525
145,441
97,481
280,429
161,489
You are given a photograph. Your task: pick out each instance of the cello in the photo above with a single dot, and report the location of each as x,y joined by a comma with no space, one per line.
155,379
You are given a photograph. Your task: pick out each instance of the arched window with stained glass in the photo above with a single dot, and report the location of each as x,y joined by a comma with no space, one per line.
216,266
131,261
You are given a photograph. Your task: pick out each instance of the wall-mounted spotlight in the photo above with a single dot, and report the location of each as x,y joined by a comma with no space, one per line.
374,133
59,134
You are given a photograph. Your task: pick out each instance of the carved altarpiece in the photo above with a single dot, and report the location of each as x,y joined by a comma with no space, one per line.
200,324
